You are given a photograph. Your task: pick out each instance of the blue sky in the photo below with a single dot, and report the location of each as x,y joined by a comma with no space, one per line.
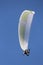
10,51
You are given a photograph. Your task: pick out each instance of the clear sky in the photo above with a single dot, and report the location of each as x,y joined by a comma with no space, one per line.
10,51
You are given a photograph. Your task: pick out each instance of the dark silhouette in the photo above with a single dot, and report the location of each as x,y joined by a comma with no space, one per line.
27,52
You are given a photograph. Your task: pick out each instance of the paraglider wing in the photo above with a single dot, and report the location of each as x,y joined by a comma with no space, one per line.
24,28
